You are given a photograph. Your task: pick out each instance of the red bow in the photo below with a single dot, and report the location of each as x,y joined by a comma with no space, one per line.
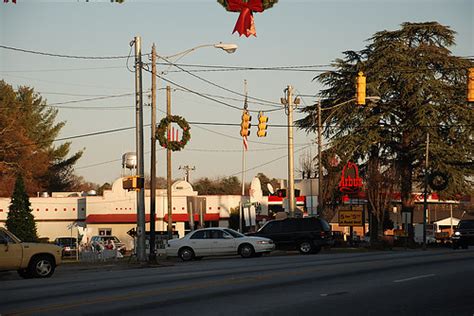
6,1
245,24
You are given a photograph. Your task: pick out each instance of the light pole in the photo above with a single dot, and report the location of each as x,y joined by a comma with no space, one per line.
229,48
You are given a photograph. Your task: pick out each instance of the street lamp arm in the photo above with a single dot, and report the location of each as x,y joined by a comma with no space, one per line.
229,48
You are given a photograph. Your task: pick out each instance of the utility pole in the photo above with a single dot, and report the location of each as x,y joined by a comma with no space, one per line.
152,256
425,193
168,165
244,140
187,170
320,161
288,103
141,252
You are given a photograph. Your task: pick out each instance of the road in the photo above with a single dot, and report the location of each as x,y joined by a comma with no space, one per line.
432,282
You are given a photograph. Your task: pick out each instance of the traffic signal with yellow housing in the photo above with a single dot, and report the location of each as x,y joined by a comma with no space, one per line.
131,183
245,125
360,88
262,125
470,85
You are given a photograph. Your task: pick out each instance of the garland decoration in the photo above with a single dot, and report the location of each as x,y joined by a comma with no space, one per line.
163,137
245,23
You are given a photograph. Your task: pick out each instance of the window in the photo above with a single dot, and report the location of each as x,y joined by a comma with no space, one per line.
466,224
105,231
5,238
310,224
272,227
290,225
216,234
202,234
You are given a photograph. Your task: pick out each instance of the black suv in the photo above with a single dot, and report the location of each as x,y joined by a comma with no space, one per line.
307,234
463,234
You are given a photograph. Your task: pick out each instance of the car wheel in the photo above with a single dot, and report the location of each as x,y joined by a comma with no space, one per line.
41,267
305,247
24,273
246,251
186,254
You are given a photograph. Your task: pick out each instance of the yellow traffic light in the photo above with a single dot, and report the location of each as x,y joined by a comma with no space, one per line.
360,88
133,183
262,125
470,85
245,125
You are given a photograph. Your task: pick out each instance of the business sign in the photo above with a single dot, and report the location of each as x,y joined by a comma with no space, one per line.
350,180
350,218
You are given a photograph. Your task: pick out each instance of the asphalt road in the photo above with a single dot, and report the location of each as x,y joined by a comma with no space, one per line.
432,282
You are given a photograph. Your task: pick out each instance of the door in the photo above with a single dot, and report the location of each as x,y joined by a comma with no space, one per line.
222,242
200,241
11,252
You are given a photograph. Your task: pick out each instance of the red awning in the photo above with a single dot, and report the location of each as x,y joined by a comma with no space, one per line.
114,218
185,217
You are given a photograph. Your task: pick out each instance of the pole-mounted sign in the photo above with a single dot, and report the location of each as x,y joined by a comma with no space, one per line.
350,180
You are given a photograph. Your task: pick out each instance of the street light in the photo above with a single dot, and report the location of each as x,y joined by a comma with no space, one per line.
229,48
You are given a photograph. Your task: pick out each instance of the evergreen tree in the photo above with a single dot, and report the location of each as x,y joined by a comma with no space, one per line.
422,90
20,220
27,133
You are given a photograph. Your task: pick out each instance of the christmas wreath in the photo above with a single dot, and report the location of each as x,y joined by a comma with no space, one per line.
245,24
162,135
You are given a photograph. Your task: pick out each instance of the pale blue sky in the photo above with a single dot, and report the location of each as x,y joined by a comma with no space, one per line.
291,33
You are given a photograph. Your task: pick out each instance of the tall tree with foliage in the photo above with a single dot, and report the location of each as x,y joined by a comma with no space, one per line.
28,129
20,220
422,90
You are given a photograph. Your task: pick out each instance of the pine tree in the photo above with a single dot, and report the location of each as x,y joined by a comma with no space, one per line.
20,220
422,90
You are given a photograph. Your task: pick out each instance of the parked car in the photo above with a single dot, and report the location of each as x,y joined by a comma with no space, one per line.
68,244
306,234
31,260
463,234
217,241
102,241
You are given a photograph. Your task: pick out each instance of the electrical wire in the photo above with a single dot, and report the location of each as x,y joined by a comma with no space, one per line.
64,56
219,86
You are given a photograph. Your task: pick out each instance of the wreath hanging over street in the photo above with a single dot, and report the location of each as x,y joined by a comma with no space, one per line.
161,133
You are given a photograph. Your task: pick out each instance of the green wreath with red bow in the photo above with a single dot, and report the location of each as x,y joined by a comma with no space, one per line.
245,23
162,133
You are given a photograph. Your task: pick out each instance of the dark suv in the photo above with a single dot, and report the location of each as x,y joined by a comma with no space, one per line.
307,234
463,234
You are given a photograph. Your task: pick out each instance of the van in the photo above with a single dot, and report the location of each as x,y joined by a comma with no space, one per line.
308,234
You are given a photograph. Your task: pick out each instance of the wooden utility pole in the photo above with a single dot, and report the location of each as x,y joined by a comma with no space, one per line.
320,161
168,164
152,256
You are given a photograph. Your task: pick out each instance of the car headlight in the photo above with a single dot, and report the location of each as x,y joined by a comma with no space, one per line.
457,234
264,242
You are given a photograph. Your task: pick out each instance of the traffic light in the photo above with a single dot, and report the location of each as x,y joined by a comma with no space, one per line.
131,183
470,85
245,125
360,88
262,125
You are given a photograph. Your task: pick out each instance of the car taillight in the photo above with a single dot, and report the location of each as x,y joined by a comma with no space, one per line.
323,233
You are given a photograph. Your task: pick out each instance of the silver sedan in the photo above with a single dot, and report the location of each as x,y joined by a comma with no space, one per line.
217,241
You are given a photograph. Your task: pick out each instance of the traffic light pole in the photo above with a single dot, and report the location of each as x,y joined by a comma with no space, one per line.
141,252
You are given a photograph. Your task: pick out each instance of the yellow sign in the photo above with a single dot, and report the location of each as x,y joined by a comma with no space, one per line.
350,218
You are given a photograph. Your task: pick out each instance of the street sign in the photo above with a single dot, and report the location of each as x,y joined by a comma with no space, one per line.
350,218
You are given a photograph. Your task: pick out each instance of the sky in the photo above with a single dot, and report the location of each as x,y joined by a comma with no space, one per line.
292,33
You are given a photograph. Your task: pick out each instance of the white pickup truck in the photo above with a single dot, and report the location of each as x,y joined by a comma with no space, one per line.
31,260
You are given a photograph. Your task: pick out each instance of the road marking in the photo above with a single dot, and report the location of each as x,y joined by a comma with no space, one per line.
333,294
414,278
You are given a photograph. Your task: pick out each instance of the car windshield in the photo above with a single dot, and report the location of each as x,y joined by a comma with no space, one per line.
466,224
234,233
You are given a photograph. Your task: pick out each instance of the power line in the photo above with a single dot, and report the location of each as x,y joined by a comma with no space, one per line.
219,86
62,55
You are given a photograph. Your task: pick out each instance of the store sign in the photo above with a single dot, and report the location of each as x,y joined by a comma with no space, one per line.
350,218
350,180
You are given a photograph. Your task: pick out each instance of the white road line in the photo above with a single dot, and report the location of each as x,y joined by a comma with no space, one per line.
414,278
